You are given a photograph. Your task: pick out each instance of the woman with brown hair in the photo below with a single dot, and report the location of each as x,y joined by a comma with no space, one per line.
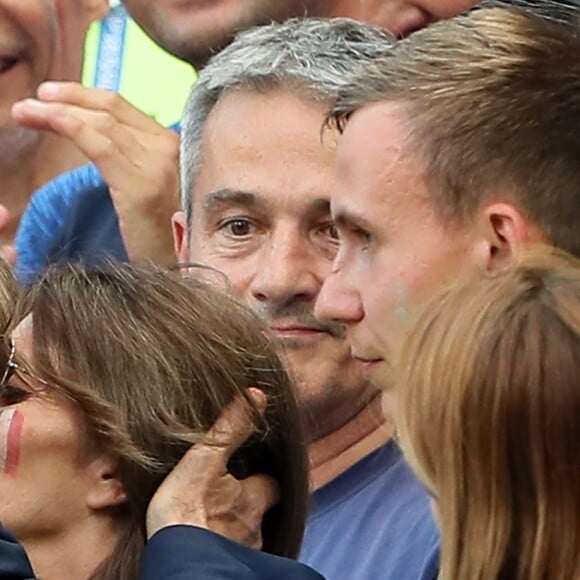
488,411
112,376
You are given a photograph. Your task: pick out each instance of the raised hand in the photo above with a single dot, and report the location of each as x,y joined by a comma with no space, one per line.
200,491
137,157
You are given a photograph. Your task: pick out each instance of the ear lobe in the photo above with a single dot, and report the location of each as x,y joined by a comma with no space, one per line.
180,237
508,233
105,488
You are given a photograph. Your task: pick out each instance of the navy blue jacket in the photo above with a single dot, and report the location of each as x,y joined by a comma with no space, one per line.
14,564
181,553
187,553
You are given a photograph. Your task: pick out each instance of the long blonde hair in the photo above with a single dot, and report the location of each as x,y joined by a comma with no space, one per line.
488,413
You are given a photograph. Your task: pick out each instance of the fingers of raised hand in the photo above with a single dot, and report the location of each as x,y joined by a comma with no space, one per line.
97,100
121,151
66,120
237,421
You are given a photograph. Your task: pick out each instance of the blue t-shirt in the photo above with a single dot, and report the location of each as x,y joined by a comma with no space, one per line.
374,522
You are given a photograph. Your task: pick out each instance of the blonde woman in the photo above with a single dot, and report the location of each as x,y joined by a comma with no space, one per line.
488,411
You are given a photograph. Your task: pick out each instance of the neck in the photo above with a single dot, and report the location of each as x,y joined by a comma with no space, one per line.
74,554
39,163
360,436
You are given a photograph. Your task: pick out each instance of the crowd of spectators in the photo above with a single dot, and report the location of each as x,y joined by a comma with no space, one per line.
326,326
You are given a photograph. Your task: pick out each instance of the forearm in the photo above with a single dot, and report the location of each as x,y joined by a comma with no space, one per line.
186,552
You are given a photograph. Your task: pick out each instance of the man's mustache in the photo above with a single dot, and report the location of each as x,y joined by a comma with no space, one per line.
292,313
296,314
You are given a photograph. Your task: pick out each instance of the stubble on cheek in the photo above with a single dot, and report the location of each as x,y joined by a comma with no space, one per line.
11,422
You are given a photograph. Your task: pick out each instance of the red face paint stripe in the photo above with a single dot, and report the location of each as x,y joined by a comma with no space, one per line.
13,444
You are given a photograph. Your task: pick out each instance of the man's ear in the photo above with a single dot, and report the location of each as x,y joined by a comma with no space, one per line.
180,237
105,489
507,233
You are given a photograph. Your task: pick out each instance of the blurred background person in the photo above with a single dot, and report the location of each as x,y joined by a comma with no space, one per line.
195,30
121,207
41,40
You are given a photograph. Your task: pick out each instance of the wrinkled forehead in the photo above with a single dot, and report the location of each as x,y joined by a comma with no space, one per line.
264,146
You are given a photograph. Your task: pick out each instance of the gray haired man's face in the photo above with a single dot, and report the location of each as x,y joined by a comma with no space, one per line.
261,215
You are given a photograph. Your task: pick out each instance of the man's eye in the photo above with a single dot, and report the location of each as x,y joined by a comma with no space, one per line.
11,395
238,227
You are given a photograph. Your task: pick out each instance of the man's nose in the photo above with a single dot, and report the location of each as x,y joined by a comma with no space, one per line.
338,301
288,271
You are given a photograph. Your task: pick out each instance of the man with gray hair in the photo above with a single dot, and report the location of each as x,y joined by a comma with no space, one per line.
256,177
120,207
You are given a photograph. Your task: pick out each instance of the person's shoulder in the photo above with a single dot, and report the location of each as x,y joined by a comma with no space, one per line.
72,217
55,200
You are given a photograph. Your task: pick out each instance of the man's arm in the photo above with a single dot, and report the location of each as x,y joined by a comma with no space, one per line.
188,552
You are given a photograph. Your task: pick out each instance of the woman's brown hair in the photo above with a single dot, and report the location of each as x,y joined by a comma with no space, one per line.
152,359
488,412
8,297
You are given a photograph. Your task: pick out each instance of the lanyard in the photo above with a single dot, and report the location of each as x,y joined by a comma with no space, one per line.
111,49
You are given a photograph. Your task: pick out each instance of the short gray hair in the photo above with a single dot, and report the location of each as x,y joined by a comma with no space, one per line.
312,55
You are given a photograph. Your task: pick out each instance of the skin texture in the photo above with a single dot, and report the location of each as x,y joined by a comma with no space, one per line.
195,29
395,248
271,235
